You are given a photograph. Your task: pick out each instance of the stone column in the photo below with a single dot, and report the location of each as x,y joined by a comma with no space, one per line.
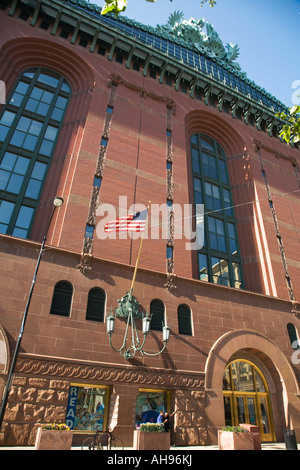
122,412
190,423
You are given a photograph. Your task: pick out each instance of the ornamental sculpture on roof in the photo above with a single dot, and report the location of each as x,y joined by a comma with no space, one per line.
208,42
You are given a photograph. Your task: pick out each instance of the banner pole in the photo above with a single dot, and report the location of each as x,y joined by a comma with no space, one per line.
139,253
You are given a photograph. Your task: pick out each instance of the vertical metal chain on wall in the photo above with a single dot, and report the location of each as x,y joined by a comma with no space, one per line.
170,204
87,247
291,293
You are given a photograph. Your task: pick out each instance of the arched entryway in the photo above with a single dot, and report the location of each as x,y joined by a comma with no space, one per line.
247,399
273,365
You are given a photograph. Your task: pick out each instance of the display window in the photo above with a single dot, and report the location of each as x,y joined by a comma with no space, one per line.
87,408
149,403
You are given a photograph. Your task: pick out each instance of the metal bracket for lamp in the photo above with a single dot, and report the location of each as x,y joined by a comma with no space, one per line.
129,308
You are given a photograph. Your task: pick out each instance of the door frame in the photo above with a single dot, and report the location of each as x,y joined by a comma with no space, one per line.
265,437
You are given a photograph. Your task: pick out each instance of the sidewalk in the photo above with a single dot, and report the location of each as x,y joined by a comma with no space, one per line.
264,446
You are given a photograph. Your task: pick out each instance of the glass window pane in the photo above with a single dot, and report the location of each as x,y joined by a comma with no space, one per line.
208,189
184,320
61,102
220,271
65,87
148,406
46,148
33,189
6,209
21,165
50,133
23,124
7,118
29,142
48,80
226,379
251,410
207,143
240,409
22,88
220,227
42,109
4,177
3,132
8,161
203,267
47,97
259,383
231,231
242,376
57,114
15,184
16,99
86,408
24,217
38,171
196,166
18,138
264,414
197,185
35,127
211,224
31,105
157,310
36,93
227,409
19,232
3,228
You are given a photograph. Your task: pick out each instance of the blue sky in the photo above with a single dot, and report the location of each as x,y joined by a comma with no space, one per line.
267,32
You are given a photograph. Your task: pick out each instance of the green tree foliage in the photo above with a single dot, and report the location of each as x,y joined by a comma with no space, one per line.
114,6
290,131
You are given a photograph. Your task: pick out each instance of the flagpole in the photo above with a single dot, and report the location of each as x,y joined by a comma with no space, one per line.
139,253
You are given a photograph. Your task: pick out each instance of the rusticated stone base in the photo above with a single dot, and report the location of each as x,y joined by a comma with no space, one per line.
32,401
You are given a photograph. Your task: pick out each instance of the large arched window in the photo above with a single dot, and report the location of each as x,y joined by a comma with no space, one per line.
157,312
218,259
29,127
95,305
62,298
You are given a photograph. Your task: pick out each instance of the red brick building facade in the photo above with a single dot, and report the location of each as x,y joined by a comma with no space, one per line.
127,129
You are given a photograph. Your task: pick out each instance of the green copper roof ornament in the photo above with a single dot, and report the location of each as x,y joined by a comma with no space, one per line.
203,36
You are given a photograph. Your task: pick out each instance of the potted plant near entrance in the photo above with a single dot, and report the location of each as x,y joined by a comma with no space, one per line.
151,436
54,436
235,438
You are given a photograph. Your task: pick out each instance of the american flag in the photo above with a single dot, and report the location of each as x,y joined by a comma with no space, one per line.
130,223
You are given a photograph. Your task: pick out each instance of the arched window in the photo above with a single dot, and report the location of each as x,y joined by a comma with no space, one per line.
29,126
62,298
184,320
218,259
157,310
95,305
293,336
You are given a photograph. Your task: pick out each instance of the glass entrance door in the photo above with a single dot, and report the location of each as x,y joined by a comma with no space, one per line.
246,398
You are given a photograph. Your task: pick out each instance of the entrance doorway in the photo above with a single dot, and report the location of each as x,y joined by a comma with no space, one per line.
247,399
